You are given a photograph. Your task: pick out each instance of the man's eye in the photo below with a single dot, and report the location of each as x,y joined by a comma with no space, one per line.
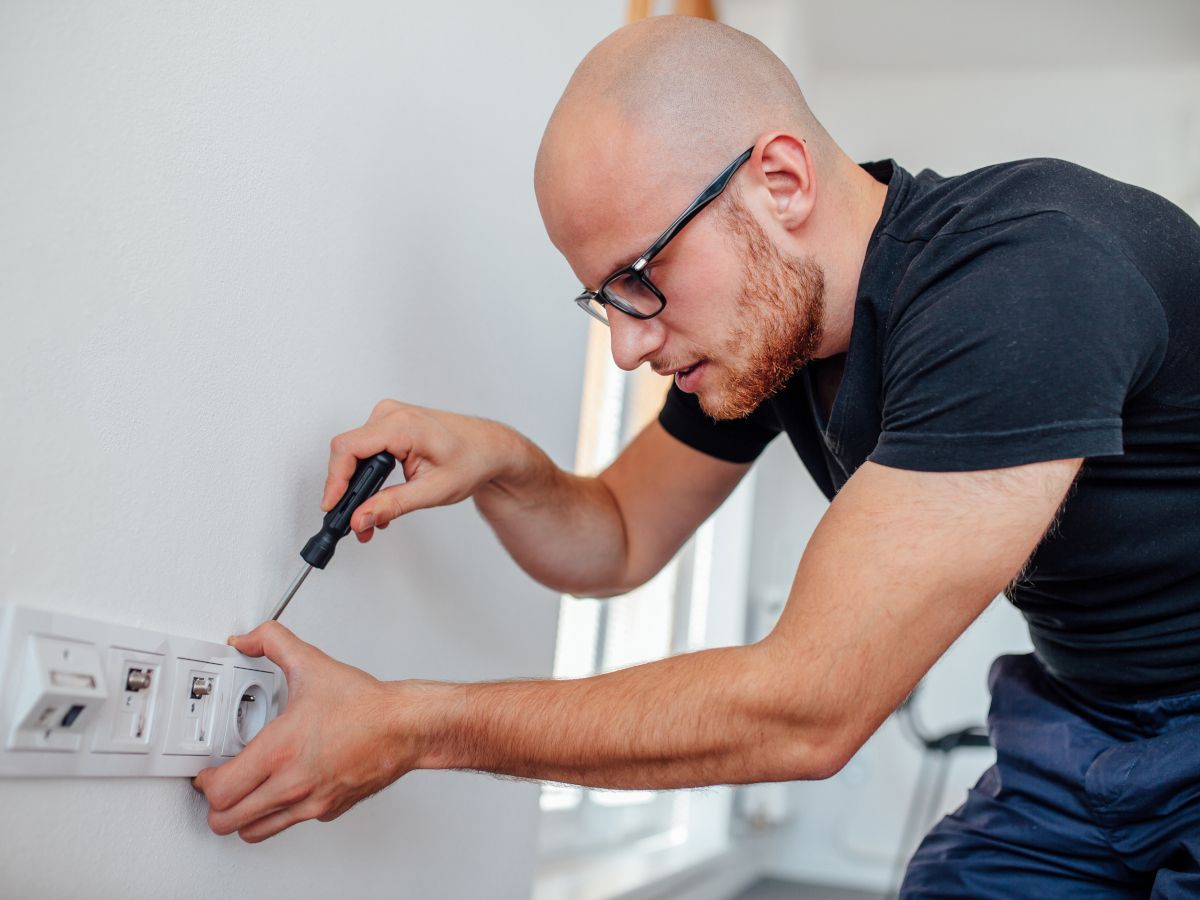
641,289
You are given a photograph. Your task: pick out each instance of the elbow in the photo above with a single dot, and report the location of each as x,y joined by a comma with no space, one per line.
833,759
585,593
810,734
797,747
629,579
602,591
592,590
813,755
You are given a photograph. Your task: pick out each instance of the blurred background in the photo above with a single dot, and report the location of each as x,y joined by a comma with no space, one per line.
228,229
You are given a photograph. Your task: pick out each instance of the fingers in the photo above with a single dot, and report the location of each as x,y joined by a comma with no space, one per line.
365,536
271,825
228,785
275,642
315,760
336,812
385,430
421,492
271,797
199,780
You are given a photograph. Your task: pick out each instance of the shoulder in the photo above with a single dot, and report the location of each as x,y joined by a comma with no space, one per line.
1038,266
1032,293
1013,235
993,195
1044,191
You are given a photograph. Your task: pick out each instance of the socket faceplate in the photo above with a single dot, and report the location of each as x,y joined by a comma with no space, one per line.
143,711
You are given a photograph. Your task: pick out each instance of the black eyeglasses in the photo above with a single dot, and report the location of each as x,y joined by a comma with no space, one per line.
630,289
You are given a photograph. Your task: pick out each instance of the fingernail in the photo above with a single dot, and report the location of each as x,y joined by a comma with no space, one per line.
368,521
231,640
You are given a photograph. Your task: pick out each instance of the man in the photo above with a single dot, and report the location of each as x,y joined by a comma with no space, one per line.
952,359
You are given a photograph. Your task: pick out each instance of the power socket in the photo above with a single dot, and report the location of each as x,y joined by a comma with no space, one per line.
252,706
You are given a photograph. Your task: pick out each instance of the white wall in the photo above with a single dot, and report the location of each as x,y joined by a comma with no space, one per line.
226,230
952,86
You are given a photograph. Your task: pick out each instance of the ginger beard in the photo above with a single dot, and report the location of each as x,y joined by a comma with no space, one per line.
781,317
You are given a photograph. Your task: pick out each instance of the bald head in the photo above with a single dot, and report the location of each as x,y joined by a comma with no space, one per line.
653,113
683,93
764,282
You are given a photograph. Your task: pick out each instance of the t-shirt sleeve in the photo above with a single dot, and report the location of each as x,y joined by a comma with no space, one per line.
1022,347
733,440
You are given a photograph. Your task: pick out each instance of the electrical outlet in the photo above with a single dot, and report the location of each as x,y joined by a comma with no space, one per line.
252,706
62,686
194,701
81,697
128,723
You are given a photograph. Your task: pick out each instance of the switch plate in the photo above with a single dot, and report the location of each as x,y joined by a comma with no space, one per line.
122,729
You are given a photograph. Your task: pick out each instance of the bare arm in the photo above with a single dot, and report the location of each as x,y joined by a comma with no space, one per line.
901,563
899,566
608,534
586,536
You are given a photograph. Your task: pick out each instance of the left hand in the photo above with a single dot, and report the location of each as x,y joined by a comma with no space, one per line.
336,743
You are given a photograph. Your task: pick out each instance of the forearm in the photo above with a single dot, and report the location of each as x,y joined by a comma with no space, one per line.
564,530
713,717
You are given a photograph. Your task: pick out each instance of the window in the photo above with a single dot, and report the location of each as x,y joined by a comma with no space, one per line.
667,615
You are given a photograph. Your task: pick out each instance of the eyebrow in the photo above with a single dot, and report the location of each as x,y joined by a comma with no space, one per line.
627,261
608,272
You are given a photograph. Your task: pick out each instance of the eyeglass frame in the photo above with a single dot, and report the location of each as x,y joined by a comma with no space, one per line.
638,267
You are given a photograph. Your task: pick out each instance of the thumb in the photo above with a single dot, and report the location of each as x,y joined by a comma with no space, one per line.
399,499
272,640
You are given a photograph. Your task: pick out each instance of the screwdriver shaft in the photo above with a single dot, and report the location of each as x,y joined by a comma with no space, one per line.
291,592
369,476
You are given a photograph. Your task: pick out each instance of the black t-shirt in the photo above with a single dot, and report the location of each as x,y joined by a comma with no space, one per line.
1029,311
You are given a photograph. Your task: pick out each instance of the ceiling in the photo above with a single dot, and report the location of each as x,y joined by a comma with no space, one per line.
908,34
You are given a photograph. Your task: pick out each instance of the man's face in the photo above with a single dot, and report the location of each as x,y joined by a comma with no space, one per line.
741,315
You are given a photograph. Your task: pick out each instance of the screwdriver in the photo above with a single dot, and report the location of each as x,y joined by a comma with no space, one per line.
369,476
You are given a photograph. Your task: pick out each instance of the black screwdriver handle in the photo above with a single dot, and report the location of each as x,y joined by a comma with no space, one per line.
369,476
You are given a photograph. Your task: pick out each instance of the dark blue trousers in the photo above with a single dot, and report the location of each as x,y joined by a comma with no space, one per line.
1088,798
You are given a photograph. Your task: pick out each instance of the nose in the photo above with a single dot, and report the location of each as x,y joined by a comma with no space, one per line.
634,340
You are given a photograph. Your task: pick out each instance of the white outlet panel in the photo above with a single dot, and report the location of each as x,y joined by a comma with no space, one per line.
90,698
254,692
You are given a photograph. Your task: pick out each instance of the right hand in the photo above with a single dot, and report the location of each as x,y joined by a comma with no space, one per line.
445,458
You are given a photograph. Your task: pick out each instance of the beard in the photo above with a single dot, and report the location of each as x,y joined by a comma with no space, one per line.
781,308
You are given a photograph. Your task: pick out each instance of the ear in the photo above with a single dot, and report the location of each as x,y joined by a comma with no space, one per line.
783,164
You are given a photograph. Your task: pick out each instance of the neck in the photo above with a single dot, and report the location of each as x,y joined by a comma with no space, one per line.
854,212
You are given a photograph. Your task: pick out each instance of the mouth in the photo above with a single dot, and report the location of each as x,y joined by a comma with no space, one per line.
688,378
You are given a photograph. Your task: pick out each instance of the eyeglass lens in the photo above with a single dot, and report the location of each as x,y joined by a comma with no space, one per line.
631,293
